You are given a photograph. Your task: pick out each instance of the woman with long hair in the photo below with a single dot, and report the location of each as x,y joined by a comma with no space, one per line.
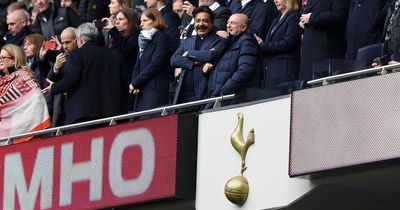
22,106
122,40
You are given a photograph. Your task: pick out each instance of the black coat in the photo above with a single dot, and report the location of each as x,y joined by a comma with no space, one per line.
125,49
93,81
235,69
392,44
221,16
364,24
152,73
54,20
260,15
324,35
173,22
94,9
281,50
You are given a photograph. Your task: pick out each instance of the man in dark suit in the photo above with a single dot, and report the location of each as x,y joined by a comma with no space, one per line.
234,70
171,19
192,55
221,13
365,24
18,28
260,14
52,20
324,23
68,41
92,79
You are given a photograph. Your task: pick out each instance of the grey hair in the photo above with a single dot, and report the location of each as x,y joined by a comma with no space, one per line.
87,31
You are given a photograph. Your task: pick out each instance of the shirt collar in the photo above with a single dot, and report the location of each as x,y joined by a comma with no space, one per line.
214,6
159,9
245,2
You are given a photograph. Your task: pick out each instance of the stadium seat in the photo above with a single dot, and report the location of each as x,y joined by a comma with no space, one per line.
370,52
334,66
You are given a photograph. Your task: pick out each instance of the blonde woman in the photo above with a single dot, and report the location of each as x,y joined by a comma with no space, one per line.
281,46
22,106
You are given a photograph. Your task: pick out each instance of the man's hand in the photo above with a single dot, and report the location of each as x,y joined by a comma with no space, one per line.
48,88
259,40
43,52
305,18
59,45
207,67
133,90
223,34
60,60
178,71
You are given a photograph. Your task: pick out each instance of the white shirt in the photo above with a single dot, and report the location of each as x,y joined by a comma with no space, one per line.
245,2
214,6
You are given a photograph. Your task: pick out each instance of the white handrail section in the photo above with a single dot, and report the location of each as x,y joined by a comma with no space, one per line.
327,80
112,120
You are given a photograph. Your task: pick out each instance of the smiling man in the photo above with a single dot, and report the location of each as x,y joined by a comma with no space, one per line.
193,54
236,67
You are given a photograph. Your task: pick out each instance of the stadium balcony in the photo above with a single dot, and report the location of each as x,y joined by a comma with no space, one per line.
333,146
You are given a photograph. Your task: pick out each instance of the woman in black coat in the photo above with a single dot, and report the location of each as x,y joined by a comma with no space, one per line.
122,40
281,47
152,73
324,23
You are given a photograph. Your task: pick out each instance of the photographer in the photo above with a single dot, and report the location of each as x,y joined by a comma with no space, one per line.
122,41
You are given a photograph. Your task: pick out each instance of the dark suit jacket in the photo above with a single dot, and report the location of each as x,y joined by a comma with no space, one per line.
221,16
54,20
324,35
92,80
234,70
260,15
125,49
281,50
209,51
173,22
152,73
364,24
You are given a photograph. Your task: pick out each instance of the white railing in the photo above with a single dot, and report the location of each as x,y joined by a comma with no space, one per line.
329,79
113,120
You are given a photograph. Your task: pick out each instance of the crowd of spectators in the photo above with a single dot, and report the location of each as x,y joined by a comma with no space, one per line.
99,58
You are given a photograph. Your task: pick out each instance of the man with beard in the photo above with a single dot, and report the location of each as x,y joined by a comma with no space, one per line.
236,67
193,54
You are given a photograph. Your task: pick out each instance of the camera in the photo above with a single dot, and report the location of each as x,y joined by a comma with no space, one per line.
100,24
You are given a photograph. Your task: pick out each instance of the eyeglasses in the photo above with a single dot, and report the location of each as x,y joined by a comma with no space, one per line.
4,57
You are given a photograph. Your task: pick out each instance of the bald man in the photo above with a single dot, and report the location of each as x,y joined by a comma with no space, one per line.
235,69
68,41
17,22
